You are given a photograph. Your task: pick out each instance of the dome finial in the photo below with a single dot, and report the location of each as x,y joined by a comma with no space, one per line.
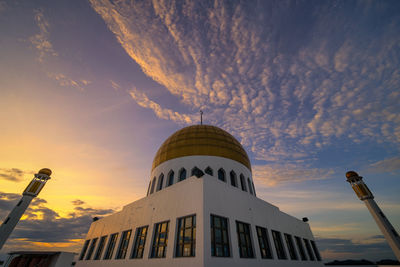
201,117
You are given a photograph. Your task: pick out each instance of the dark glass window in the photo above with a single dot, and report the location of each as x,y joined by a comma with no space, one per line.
100,247
219,236
19,203
186,239
182,174
250,187
290,246
170,178
123,244
245,245
254,189
243,182
232,175
85,247
316,252
197,172
110,246
300,248
280,250
263,241
160,182
153,185
221,174
140,242
148,188
309,251
91,249
209,171
160,240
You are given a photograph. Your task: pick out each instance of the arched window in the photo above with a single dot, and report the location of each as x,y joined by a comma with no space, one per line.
197,172
170,178
254,189
148,188
221,175
232,174
243,182
250,187
182,174
209,171
152,185
160,182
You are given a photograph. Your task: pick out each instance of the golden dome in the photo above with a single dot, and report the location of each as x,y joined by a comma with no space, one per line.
45,171
204,140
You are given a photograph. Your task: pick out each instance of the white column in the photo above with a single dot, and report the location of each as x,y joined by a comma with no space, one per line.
386,227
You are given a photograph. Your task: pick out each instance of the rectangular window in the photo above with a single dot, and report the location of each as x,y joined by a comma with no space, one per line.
245,246
263,241
100,247
19,203
91,249
219,236
243,183
280,250
123,244
140,241
316,252
186,239
290,246
160,240
300,248
85,247
309,251
110,246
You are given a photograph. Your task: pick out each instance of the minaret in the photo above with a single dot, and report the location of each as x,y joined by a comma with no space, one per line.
364,194
31,191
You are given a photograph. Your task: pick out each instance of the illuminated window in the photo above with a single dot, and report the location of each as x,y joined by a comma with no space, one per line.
219,236
280,250
91,249
110,246
316,252
160,240
140,242
245,245
221,175
170,178
209,171
153,185
160,182
85,247
123,244
243,182
100,248
300,248
182,174
232,175
250,187
309,251
263,241
290,246
186,239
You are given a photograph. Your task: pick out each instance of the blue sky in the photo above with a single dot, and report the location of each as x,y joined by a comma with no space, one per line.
310,88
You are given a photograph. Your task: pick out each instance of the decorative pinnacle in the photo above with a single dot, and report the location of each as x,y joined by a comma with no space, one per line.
201,117
351,174
45,171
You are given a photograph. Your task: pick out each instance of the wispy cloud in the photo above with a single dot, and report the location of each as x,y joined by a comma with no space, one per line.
13,174
66,81
386,165
284,93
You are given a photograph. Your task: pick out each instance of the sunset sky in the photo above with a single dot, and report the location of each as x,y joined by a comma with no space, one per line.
91,89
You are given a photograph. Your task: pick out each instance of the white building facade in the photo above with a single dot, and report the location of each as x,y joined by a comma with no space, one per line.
201,209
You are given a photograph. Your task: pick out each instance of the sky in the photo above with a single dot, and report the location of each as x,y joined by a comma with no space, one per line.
91,89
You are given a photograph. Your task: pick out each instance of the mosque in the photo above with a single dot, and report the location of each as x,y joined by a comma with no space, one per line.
201,209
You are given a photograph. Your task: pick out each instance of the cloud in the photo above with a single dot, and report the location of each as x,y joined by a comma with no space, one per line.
285,91
13,174
66,81
386,165
42,227
272,175
77,202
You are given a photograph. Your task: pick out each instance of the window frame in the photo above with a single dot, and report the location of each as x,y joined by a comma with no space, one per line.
315,249
154,253
160,182
91,248
137,244
290,246
233,178
221,177
310,253
300,248
180,175
171,178
248,245
264,239
224,244
153,183
84,249
181,241
110,246
123,245
209,171
100,247
279,246
243,182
